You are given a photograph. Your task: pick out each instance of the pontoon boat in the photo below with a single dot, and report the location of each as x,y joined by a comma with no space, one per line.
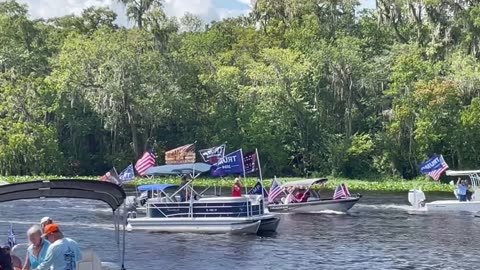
311,202
167,212
107,192
416,197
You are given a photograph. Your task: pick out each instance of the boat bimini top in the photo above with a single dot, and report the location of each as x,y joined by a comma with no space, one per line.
193,169
474,175
107,192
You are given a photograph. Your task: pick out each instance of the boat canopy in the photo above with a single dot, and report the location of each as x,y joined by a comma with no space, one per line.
107,192
176,169
462,173
305,182
156,187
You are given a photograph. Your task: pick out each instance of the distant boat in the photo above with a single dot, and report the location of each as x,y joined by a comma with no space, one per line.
166,212
417,198
314,203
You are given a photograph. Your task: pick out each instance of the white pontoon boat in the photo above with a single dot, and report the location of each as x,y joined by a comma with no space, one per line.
416,197
168,212
107,192
310,201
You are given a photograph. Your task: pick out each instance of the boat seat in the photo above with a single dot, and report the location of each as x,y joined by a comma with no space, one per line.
90,261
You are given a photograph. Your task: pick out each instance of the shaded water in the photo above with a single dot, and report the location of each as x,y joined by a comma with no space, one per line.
378,233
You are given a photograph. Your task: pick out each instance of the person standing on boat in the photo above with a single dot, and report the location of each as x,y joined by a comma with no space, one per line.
44,222
37,250
237,188
62,254
462,190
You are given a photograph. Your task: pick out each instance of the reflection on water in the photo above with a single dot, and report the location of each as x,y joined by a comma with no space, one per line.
378,233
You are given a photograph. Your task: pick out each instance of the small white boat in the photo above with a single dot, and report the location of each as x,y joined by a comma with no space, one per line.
312,204
107,192
416,197
167,211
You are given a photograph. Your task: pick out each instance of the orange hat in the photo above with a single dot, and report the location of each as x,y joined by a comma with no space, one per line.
50,228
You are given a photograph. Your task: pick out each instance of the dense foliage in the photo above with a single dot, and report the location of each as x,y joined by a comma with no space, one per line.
318,86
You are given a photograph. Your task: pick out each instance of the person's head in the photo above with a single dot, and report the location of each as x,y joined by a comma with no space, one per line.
52,232
5,260
6,248
35,235
45,221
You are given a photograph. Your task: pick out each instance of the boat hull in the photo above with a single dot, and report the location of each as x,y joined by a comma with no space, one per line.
341,205
269,225
196,225
453,206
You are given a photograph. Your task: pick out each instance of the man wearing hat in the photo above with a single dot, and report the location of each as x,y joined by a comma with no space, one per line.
45,221
63,252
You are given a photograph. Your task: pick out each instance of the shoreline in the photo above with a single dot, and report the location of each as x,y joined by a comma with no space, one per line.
380,185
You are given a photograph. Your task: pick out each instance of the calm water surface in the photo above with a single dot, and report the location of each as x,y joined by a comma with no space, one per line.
378,233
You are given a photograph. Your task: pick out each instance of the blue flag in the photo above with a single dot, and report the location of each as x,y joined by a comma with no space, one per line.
127,175
434,167
229,164
257,190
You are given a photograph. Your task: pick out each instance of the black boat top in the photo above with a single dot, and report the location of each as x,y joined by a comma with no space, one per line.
107,192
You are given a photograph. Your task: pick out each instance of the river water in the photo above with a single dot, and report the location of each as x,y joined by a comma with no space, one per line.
378,233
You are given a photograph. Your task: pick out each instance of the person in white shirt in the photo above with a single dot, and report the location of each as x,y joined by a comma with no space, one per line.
63,252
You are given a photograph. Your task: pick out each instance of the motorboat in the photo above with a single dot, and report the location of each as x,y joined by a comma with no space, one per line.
107,192
312,202
185,210
417,198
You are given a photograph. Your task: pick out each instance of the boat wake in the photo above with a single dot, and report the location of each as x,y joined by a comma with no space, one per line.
403,207
329,212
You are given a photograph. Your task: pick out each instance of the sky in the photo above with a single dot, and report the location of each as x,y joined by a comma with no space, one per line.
208,10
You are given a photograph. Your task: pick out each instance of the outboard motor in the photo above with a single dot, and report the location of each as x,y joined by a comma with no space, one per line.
416,197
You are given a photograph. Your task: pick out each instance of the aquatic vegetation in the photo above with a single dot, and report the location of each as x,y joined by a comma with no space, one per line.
383,184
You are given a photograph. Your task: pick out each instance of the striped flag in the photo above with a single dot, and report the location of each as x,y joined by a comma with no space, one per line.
434,167
181,155
11,237
341,192
143,164
111,176
275,191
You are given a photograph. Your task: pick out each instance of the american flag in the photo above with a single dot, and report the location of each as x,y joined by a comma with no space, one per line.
341,192
147,161
11,237
275,191
111,176
434,167
181,155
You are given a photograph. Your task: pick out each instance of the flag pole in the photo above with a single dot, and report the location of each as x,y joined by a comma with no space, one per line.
244,174
259,171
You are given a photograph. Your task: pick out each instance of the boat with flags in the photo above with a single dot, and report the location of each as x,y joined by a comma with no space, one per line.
302,197
110,193
417,198
180,208
466,191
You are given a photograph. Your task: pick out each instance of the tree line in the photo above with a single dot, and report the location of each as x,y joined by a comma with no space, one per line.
318,86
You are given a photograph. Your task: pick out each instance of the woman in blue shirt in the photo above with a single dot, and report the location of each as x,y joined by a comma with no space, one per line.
37,250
